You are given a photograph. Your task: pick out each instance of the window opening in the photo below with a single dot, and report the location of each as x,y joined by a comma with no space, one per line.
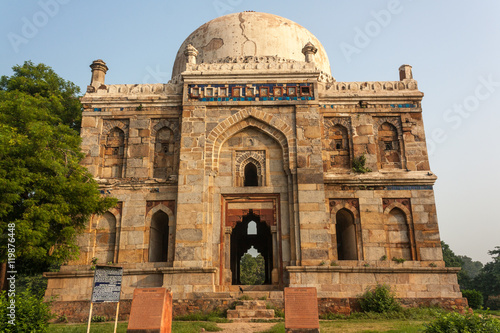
251,178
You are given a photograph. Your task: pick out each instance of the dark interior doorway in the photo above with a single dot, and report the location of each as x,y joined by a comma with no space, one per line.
346,236
251,177
158,237
247,233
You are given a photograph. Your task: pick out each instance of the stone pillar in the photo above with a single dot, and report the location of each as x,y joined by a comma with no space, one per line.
99,70
309,51
227,274
276,255
191,245
405,73
315,240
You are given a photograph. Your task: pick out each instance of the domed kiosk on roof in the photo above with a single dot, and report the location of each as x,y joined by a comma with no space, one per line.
251,34
253,145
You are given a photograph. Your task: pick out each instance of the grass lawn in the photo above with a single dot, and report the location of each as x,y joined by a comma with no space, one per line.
358,325
363,325
177,327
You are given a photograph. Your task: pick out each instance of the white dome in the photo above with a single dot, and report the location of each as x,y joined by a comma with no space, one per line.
251,34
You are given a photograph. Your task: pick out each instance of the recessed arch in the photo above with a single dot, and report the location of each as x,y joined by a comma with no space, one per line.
105,238
158,237
337,144
153,217
251,177
345,230
267,123
114,153
399,232
388,131
344,215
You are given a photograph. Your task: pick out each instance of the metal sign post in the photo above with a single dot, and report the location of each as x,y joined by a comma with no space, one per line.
107,287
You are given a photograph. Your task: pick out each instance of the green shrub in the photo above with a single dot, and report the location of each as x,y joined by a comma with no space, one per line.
31,313
380,300
493,303
420,313
98,319
455,322
35,283
474,298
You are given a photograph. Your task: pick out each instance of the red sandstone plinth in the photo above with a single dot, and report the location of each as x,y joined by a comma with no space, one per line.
301,310
151,311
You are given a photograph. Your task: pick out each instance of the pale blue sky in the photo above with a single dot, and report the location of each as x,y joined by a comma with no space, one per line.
453,47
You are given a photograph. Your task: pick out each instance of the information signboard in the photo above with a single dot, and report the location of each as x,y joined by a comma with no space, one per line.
107,284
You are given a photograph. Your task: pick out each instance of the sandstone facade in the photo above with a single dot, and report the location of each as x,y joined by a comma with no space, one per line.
243,138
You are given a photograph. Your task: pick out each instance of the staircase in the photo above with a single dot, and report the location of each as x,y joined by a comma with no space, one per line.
250,310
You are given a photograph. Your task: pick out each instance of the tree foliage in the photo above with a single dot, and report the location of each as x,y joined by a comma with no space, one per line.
449,257
252,269
43,188
488,280
453,260
471,267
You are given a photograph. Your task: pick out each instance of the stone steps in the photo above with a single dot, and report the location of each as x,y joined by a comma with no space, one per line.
249,310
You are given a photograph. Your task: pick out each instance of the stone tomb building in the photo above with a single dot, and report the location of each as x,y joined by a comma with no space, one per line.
251,144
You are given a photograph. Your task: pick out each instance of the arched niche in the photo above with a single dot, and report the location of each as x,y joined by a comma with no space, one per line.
345,228
164,153
399,235
159,237
159,234
389,146
114,153
105,239
337,147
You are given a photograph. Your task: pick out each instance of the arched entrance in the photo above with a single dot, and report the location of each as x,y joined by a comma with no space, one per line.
248,233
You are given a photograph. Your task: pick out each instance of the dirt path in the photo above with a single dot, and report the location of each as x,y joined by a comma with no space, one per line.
245,327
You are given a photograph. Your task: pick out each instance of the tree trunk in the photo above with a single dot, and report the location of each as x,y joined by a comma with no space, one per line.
3,276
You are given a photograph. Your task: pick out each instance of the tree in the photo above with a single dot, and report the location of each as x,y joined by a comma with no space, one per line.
44,191
449,257
252,269
469,268
472,268
488,280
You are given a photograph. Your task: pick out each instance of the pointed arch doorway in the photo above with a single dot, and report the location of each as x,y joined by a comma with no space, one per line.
249,234
251,223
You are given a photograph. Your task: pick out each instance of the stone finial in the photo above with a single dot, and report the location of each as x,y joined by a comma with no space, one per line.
99,70
191,53
405,73
309,51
